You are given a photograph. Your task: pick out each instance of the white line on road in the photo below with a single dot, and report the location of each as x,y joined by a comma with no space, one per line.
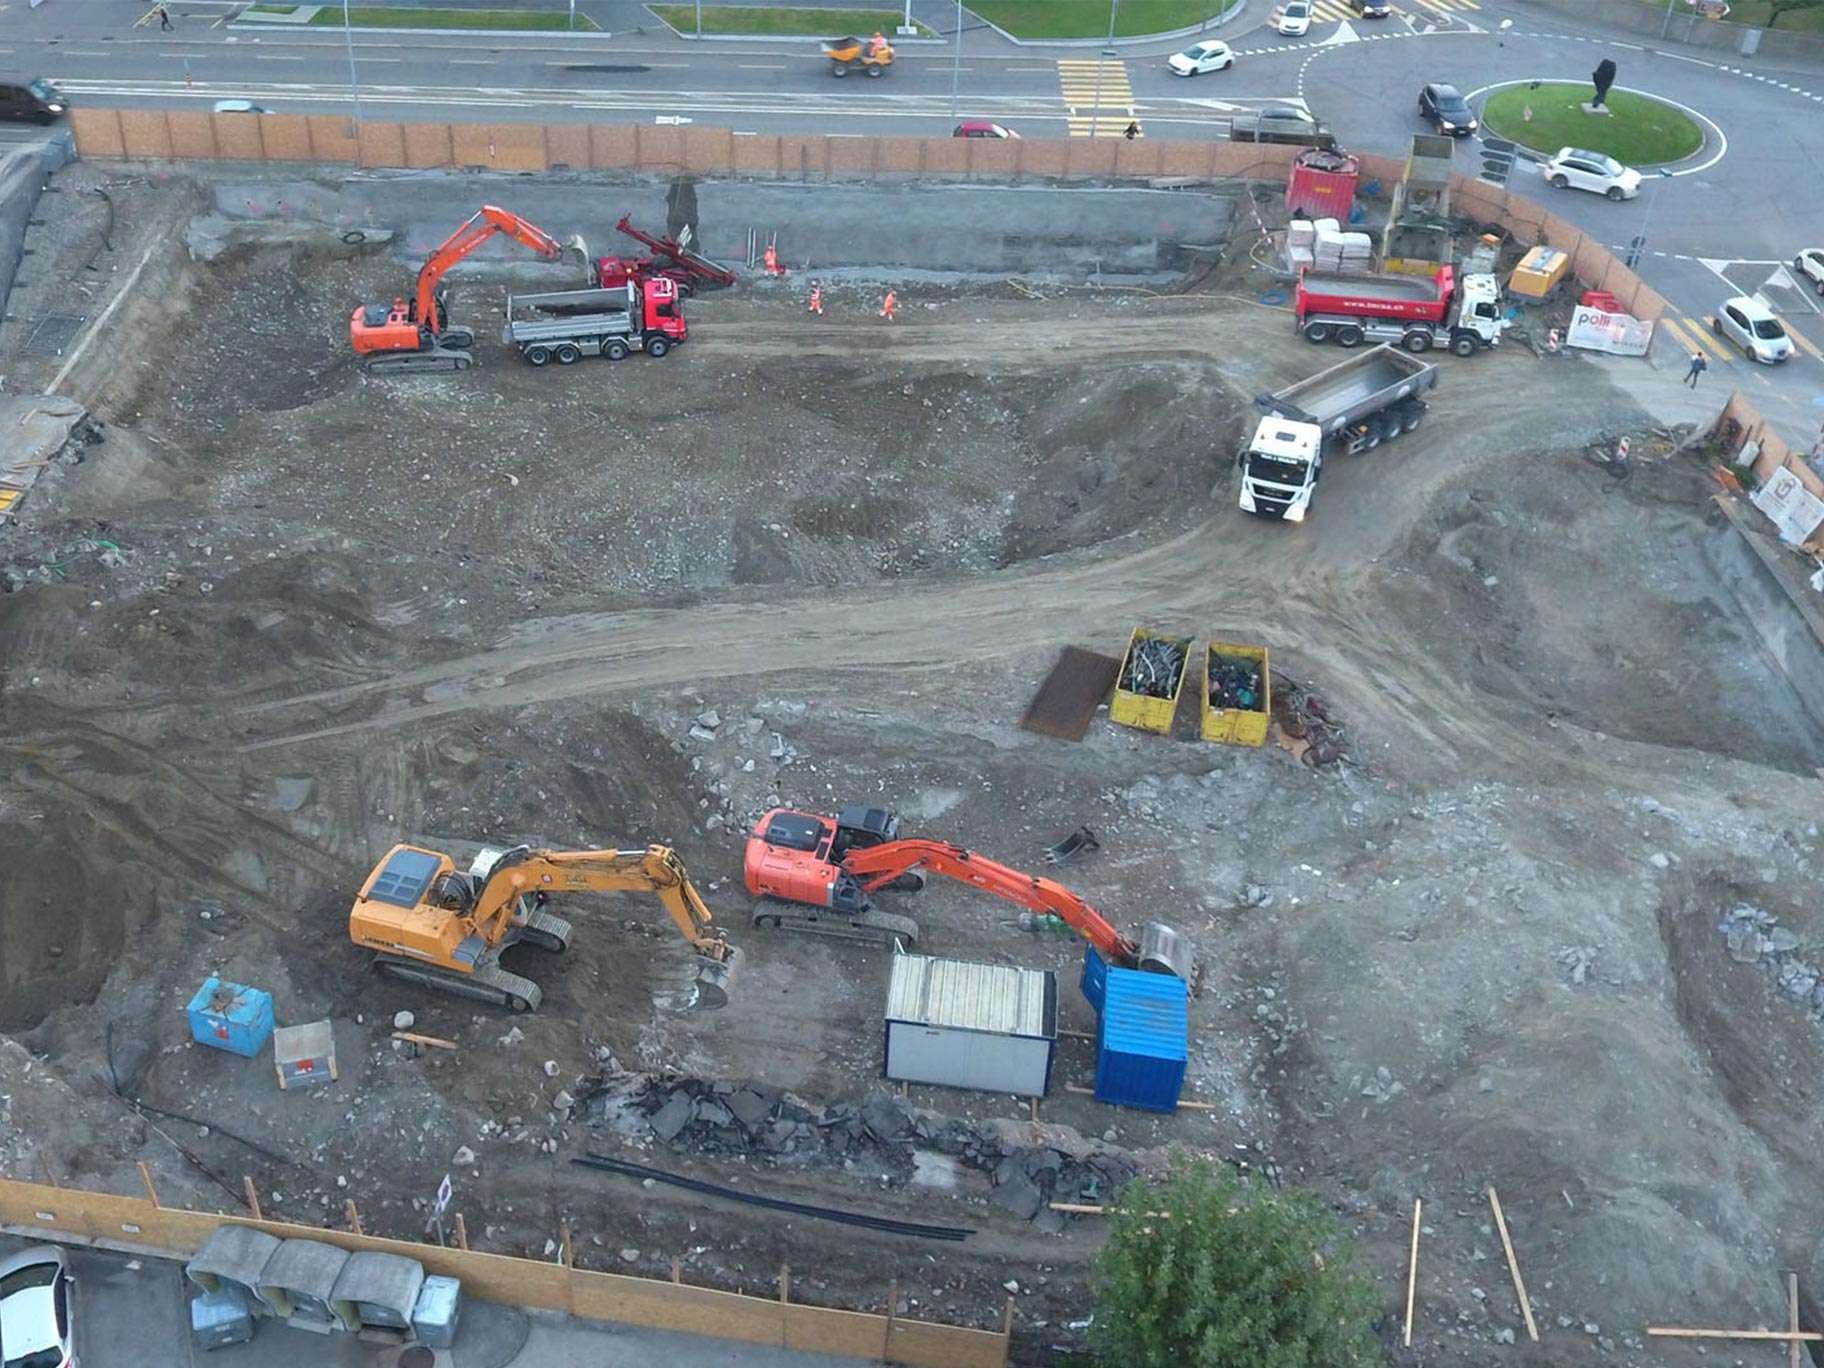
274,57
760,66
71,53
471,61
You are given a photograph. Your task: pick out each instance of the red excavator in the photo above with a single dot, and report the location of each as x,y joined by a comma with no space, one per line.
805,865
415,334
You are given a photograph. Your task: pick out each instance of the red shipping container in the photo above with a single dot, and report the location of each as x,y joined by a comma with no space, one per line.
1322,184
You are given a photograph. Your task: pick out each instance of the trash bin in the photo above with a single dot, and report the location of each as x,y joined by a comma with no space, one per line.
220,1318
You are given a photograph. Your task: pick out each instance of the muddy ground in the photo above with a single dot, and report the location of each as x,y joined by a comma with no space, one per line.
490,606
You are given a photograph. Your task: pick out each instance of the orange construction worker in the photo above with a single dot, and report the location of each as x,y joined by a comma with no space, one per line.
816,299
772,262
890,305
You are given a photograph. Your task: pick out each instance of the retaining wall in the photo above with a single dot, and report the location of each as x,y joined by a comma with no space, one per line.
140,1221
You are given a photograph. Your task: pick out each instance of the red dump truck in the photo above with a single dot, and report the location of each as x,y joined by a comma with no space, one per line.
1416,312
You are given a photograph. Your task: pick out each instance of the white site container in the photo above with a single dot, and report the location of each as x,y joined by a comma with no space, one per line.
986,1026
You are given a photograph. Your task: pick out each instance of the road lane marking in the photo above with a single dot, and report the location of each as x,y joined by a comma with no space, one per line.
274,57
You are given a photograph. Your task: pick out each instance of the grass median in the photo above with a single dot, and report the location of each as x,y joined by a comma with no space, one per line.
1042,19
1639,130
785,21
411,17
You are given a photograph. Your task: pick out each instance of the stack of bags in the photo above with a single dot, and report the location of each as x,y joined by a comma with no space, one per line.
1299,236
1334,250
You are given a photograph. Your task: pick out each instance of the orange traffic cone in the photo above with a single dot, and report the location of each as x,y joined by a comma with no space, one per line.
889,305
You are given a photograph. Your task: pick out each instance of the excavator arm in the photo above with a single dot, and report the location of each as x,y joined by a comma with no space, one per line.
878,865
482,225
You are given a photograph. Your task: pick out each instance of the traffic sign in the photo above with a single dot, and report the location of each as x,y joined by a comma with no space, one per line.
1498,156
443,1197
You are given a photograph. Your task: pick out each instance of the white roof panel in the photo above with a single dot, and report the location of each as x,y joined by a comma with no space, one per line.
996,998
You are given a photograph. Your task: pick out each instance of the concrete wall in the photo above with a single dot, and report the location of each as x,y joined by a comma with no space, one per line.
57,1212
1648,17
1741,558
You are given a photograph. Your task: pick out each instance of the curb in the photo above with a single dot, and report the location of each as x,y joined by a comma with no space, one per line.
771,37
1169,36
541,35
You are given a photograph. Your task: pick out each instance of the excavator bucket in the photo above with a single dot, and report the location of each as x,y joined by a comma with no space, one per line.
712,981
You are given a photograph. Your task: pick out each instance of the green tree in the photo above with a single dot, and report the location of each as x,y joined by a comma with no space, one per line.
1235,1276
1776,9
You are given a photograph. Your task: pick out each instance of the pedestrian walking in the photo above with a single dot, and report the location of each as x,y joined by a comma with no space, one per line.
1133,130
890,305
817,299
1698,367
164,19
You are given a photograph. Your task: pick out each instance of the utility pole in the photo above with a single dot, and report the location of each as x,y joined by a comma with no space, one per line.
956,65
354,81
907,26
1108,52
1666,27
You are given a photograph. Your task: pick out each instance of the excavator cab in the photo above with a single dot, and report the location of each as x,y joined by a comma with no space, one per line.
859,826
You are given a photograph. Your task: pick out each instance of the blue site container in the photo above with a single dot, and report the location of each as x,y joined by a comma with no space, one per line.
1095,974
231,1017
1143,1039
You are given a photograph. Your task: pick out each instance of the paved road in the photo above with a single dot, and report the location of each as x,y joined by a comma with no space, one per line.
1713,230
134,1312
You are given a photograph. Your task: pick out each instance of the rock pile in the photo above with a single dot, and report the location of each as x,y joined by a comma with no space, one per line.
1754,936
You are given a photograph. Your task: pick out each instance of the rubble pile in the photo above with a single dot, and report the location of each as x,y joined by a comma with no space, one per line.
1754,936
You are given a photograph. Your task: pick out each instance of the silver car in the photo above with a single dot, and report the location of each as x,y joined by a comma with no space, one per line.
37,1329
1751,325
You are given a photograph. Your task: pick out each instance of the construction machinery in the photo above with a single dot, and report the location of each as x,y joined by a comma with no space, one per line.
805,866
671,259
431,923
570,324
415,334
872,55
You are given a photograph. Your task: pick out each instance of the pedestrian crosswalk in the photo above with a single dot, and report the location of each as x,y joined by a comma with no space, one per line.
1336,11
1696,337
1099,99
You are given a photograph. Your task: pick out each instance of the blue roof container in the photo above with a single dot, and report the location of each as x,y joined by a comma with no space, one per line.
1143,1041
1095,973
231,1017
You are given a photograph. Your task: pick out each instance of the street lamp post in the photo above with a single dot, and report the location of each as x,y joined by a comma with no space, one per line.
354,81
956,64
1108,51
1638,247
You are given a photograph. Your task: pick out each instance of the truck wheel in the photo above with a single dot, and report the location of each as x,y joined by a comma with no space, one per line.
1348,336
1413,420
1371,438
538,356
873,68
1416,342
615,351
839,69
1317,332
1463,346
657,346
566,355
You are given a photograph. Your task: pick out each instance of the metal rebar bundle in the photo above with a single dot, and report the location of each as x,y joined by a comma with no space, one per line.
1154,667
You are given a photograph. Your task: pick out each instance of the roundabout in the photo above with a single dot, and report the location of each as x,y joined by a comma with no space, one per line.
1638,129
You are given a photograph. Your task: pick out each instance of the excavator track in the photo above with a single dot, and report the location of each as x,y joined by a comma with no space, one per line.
490,984
870,926
438,359
545,931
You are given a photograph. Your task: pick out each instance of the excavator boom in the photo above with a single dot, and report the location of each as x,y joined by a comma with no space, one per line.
482,225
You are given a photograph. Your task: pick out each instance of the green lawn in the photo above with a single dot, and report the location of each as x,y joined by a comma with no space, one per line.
1755,14
411,17
785,21
1089,18
1641,132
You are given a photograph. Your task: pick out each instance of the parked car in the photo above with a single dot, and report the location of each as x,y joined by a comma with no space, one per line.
981,128
1280,123
1750,324
36,1327
35,101
239,107
1448,111
1371,9
1295,18
1201,57
1603,175
1810,265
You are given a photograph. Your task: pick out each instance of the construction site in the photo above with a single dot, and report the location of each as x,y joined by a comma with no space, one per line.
1515,894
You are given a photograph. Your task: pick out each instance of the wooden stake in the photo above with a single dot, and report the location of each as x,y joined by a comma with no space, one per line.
785,1282
462,1233
677,1269
434,1042
886,1338
145,1176
1087,1209
1075,1035
1513,1267
563,1242
1669,1332
49,1175
1032,1104
253,1196
352,1216
1007,1320
1412,1270
1792,1316
1183,1105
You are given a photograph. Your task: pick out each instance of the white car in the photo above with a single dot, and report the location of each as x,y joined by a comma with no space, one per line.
1750,324
1201,57
1810,264
239,107
1295,18
35,1319
1579,170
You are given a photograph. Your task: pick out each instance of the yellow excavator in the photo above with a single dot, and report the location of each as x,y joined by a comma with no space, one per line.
430,923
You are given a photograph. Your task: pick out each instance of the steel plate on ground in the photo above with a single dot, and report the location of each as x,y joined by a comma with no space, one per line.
1068,698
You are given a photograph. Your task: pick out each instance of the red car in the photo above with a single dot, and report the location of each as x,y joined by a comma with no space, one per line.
981,128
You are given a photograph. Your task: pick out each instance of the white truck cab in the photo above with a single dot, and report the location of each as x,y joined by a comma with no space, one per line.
1279,468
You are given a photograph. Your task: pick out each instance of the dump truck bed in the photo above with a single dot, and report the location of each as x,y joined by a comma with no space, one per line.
1350,390
1390,287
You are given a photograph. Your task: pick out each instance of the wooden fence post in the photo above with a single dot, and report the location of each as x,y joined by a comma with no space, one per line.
462,1233
253,1196
785,1282
677,1269
145,1176
886,1333
354,1216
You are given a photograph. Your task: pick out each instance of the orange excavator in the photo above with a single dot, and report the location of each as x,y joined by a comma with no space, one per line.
430,923
802,865
416,334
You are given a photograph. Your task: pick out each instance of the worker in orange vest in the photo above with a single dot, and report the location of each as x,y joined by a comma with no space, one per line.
890,305
772,262
816,299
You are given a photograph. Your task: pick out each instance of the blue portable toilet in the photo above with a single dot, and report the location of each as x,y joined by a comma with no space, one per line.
1143,1038
231,1017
